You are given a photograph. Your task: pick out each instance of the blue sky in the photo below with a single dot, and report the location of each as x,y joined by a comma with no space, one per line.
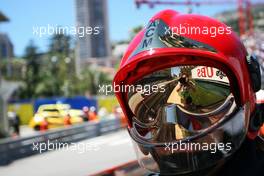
123,15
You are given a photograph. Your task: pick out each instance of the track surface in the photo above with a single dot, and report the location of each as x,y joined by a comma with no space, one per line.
106,152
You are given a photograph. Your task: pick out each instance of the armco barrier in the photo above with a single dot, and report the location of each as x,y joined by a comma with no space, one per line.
109,125
12,149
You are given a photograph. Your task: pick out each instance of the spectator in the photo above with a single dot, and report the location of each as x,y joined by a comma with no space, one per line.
86,111
14,122
92,114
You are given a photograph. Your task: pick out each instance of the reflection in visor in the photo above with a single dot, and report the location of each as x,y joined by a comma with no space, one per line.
193,106
193,155
189,99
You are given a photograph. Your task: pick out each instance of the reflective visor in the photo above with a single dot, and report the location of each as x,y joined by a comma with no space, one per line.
185,156
179,102
185,119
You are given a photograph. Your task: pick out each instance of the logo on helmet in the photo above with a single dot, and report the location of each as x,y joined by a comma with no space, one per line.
149,34
159,35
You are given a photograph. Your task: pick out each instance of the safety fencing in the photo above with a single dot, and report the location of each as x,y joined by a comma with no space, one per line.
12,149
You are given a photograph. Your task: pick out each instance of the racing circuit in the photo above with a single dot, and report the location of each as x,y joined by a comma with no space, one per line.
115,146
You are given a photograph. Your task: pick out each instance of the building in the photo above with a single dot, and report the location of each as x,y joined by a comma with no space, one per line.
96,47
3,104
6,47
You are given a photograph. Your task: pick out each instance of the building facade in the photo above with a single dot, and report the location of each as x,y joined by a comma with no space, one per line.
3,101
92,14
6,47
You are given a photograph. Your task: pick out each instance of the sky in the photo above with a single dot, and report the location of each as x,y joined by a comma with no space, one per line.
123,15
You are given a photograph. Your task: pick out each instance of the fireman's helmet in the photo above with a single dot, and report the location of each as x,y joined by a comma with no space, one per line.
188,96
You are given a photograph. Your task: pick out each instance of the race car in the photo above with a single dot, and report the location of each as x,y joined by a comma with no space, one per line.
55,115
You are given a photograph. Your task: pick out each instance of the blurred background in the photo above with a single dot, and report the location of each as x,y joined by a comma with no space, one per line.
54,58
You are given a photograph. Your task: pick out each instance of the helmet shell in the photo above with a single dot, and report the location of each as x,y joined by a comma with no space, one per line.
230,56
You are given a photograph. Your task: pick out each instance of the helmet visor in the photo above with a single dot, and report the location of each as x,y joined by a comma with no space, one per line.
181,100
196,154
183,104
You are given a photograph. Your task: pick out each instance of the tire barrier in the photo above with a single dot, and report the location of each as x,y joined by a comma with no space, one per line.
12,149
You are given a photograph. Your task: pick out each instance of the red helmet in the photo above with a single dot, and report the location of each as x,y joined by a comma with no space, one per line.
201,72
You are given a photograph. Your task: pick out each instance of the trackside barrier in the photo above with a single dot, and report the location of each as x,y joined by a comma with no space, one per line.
109,125
12,149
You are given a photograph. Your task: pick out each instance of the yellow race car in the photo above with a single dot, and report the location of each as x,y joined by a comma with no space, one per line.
55,115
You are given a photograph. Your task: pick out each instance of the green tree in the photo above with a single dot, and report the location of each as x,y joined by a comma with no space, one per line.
53,73
135,30
57,69
60,43
31,78
92,78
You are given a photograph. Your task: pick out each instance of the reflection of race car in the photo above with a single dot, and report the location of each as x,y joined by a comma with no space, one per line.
55,115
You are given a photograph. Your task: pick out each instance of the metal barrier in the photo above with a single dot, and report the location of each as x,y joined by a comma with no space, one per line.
12,149
109,125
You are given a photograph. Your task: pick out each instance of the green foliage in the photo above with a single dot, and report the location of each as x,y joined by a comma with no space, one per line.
60,43
53,73
92,79
135,30
12,68
31,78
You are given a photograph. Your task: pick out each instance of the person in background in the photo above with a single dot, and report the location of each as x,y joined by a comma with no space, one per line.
86,113
67,120
92,114
14,122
